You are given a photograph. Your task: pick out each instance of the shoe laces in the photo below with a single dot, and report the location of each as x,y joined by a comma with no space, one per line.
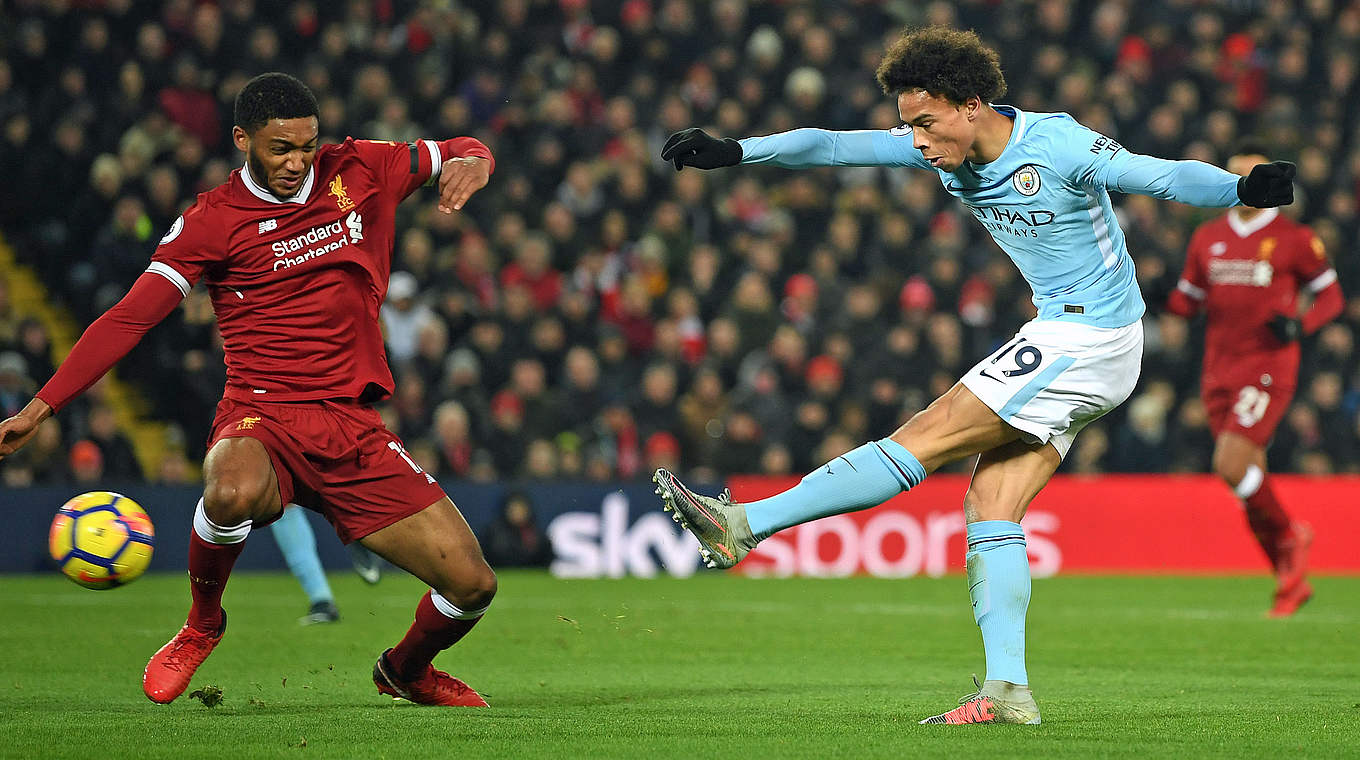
977,685
725,498
441,681
190,642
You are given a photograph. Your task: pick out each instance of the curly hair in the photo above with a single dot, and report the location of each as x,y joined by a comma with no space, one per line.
272,96
943,62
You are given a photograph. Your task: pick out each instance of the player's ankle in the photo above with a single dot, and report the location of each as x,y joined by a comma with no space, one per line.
209,624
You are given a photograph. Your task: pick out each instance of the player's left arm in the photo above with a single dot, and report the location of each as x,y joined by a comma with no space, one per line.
1318,276
459,166
1095,160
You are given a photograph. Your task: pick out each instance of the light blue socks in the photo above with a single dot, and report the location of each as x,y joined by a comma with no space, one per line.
998,582
298,544
859,479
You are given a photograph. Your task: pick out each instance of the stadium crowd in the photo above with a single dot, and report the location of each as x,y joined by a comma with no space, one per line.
594,314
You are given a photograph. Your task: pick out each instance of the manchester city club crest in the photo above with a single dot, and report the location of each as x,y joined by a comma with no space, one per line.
1026,180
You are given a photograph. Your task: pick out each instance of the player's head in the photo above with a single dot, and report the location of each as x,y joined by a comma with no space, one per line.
943,80
1247,153
276,126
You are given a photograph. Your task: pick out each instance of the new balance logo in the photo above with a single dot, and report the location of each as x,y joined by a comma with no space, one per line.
268,225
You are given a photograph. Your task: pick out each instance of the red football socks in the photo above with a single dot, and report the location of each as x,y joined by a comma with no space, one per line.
1268,520
209,567
431,633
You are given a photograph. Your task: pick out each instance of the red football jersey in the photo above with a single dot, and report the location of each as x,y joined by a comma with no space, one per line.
297,283
1243,274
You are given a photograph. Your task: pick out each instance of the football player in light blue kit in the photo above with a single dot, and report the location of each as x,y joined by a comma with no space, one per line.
1038,182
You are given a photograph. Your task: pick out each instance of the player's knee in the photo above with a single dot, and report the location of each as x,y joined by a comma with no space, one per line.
977,508
227,502
472,589
1228,467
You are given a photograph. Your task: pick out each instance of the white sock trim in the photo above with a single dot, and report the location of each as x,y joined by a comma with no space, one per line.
217,534
450,610
1250,482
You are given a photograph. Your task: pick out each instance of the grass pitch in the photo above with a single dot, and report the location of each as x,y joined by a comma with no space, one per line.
711,666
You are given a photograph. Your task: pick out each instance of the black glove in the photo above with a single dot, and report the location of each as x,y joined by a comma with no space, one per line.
695,147
1268,185
1287,329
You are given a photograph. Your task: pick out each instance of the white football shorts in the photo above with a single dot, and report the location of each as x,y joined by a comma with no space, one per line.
1054,377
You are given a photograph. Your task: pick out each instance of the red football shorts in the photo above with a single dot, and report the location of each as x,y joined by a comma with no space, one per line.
335,458
1252,410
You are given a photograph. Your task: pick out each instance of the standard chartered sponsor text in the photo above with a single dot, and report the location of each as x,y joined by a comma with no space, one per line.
324,232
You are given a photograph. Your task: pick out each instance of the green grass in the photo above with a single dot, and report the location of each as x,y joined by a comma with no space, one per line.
711,666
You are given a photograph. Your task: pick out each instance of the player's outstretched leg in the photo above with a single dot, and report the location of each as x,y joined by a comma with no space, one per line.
437,546
213,550
993,702
405,671
297,542
858,479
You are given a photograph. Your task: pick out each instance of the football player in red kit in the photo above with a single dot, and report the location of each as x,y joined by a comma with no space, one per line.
1245,270
296,249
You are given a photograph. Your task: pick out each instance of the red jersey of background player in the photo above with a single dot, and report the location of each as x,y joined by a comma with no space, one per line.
296,283
1244,274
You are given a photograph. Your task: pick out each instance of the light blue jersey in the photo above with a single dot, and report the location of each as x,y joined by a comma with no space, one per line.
1044,200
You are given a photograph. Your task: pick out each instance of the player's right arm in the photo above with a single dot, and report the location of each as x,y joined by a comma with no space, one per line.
1192,288
179,260
796,149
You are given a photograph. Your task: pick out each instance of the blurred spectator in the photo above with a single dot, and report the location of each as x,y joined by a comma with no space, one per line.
505,440
514,538
15,386
87,464
116,454
403,316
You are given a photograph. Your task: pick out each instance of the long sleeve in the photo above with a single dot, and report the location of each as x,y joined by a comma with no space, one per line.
462,147
1188,297
1327,305
1192,182
808,147
1091,159
110,337
408,166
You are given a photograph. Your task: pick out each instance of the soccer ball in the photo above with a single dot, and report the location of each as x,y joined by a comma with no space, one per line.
101,539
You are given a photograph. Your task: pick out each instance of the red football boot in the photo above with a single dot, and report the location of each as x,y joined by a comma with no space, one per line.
433,687
168,673
1291,587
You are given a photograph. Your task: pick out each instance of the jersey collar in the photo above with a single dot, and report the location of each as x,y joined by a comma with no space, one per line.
1017,131
1247,229
300,197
